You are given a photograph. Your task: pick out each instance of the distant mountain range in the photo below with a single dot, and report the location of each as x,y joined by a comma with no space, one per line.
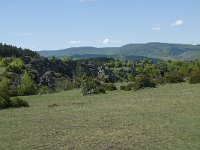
154,51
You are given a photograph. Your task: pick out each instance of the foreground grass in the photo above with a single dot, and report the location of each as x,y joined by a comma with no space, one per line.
167,117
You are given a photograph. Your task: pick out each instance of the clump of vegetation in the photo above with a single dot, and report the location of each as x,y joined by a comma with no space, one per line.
140,83
92,86
18,102
6,102
143,82
27,85
160,81
195,77
122,87
127,87
16,65
2,63
109,86
174,77
43,90
4,84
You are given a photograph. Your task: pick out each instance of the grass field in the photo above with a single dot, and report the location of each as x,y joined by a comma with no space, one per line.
167,117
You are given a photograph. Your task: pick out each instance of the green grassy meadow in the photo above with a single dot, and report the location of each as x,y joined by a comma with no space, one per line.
167,117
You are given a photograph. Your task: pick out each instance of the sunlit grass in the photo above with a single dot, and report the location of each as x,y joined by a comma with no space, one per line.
167,117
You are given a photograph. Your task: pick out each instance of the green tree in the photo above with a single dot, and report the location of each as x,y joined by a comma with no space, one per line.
66,59
118,64
2,63
27,86
4,85
16,65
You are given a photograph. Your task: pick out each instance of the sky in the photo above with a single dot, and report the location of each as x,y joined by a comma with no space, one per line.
59,24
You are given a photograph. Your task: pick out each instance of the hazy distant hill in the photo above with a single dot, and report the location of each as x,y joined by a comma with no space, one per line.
155,50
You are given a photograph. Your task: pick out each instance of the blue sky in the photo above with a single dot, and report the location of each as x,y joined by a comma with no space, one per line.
58,24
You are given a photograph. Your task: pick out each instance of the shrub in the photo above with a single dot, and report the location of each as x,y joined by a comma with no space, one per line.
101,90
160,81
92,86
2,63
43,90
195,78
174,78
131,78
6,102
13,91
4,85
92,90
143,82
109,86
27,85
16,65
122,87
18,102
128,87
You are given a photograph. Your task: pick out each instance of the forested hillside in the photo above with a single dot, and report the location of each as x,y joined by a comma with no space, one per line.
162,51
13,51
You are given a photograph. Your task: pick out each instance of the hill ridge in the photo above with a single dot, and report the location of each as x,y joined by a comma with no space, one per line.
156,50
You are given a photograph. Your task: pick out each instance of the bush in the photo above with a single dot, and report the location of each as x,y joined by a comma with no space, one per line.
92,90
13,91
160,81
6,102
18,102
43,90
143,82
4,84
128,87
122,87
174,78
27,85
194,79
92,86
109,86
16,65
101,90
2,63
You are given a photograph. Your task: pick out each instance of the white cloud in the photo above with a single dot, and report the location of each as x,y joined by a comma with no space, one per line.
87,1
178,23
74,42
109,41
156,28
106,41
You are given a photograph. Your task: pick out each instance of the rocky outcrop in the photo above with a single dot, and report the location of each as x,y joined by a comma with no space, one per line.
49,79
89,69
45,71
106,75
